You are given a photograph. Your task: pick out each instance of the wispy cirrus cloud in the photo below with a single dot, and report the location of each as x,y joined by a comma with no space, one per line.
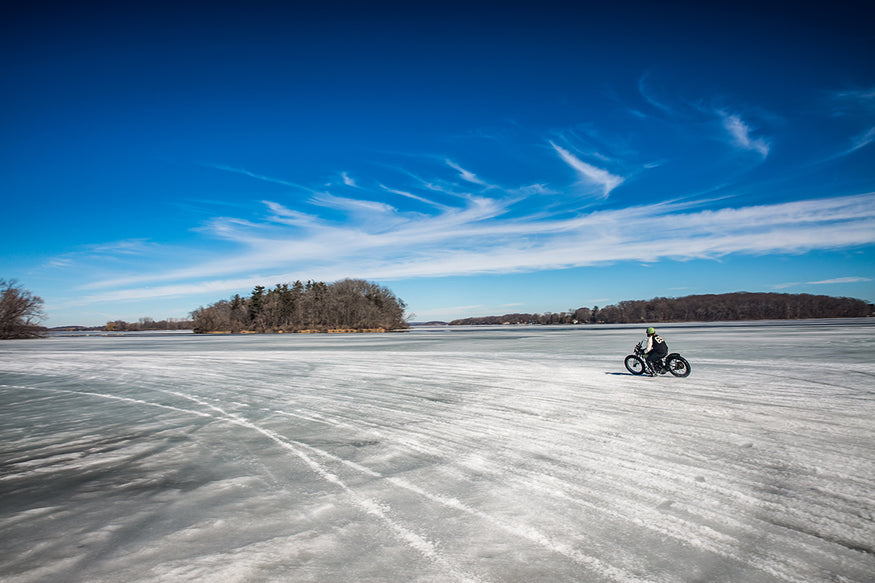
858,142
351,204
437,218
481,237
590,174
257,176
412,196
465,174
850,101
113,252
861,141
855,279
853,108
284,215
125,247
834,281
645,89
741,134
347,180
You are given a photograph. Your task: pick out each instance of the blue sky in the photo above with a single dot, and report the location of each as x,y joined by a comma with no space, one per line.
474,159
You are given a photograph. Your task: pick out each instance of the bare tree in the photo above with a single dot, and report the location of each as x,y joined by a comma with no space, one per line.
20,312
213,318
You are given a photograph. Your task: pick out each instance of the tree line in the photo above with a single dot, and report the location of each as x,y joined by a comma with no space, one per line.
148,324
349,304
696,308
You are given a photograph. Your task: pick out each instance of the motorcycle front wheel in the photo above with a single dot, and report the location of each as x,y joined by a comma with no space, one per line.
635,365
678,366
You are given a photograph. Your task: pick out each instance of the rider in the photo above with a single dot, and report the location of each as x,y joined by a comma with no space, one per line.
655,348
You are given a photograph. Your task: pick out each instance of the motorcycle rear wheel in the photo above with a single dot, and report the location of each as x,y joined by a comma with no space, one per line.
678,366
635,365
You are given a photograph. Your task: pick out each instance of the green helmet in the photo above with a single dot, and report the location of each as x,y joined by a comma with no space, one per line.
651,331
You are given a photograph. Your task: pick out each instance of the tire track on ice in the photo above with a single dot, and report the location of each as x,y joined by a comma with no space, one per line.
526,532
412,539
707,538
523,531
409,537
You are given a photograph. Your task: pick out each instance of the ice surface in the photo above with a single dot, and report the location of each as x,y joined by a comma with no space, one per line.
448,454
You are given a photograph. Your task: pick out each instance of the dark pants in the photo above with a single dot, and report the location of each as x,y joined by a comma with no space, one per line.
653,358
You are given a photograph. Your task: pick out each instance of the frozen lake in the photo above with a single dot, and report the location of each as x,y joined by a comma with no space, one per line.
441,455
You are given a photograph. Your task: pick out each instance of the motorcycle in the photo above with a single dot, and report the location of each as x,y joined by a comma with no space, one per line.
674,363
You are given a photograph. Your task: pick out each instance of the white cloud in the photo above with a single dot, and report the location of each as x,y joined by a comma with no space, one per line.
589,173
414,197
261,177
481,237
840,280
532,189
740,132
125,247
862,140
854,99
647,93
834,281
287,216
350,204
347,180
465,174
857,143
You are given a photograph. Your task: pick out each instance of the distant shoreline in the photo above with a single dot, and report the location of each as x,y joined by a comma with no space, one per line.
329,331
862,320
728,307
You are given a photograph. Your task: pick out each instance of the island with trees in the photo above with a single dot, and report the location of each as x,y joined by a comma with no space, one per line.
349,305
695,308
